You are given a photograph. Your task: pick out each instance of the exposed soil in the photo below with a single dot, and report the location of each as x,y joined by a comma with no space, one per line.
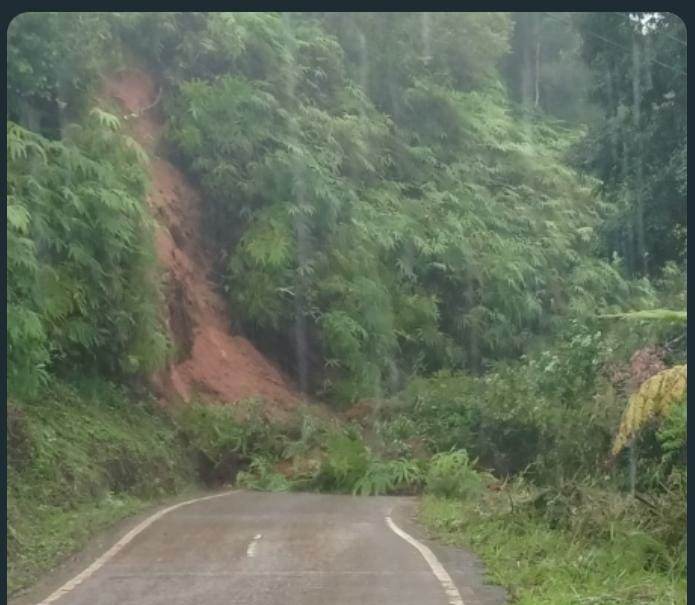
209,360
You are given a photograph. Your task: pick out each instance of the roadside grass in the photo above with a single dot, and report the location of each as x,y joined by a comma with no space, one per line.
80,459
44,535
541,565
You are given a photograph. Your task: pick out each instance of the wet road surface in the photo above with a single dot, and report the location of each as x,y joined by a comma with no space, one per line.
256,548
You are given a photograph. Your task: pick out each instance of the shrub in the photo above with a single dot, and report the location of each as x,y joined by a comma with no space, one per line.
262,476
397,435
82,287
225,438
308,434
346,462
451,475
388,477
673,435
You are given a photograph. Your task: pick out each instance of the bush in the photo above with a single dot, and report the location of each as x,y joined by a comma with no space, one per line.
346,462
262,476
451,475
307,434
225,438
673,437
552,412
389,477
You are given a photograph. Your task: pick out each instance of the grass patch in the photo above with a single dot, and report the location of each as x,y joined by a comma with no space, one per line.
540,565
44,535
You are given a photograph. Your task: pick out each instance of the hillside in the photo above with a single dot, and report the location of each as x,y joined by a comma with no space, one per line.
209,360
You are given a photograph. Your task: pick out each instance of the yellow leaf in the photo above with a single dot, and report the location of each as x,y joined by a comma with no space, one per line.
653,399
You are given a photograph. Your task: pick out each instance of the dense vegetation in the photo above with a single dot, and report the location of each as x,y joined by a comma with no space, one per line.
443,232
471,225
81,275
639,147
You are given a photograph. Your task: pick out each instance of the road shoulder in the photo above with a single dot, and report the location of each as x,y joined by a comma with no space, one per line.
465,568
97,545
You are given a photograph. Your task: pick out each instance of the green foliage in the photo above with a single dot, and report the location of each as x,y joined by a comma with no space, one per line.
79,459
422,230
384,54
389,477
673,433
82,284
322,456
538,565
221,431
554,411
261,476
396,433
308,434
53,65
451,475
346,462
240,443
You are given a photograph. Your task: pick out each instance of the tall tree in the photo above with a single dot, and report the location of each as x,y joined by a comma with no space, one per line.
545,69
638,148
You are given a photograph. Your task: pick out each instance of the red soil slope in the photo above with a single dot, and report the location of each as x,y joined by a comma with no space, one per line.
211,361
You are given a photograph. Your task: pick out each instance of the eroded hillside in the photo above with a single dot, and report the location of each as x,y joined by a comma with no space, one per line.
208,359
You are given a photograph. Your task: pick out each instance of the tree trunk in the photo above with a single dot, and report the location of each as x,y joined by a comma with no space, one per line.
537,98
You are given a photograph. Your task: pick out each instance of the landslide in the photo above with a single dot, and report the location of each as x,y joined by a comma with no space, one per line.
209,359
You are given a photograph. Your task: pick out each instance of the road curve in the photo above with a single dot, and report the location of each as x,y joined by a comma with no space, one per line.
256,548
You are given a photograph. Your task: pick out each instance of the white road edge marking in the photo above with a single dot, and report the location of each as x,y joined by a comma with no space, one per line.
437,568
251,549
117,547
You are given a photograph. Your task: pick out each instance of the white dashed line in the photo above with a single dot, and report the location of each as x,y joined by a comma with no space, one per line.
117,547
251,550
437,568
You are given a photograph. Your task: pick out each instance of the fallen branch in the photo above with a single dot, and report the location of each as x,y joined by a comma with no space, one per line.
644,500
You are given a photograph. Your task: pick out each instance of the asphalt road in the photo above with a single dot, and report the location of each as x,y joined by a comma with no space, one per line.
255,548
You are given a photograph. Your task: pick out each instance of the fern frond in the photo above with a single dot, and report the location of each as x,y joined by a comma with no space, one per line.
18,218
651,315
107,120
